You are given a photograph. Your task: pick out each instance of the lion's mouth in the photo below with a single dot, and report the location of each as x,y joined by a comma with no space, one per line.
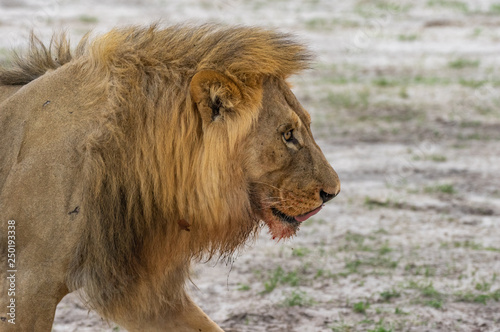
297,219
283,217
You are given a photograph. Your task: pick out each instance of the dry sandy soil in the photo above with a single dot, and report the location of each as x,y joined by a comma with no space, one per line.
405,104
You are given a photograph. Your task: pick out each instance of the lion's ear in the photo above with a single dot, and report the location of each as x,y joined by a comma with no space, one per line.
214,94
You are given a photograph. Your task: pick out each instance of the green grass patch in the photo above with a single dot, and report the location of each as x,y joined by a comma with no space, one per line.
438,158
243,287
430,291
434,303
356,242
462,63
420,270
468,245
377,203
407,38
451,4
88,19
393,6
298,299
481,298
321,24
301,252
384,249
403,93
377,261
431,80
353,265
317,23
372,202
495,9
360,307
441,188
472,83
431,297
349,100
399,311
388,295
342,327
381,329
384,82
279,276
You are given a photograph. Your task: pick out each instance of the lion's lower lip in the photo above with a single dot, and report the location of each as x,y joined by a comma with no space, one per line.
300,218
283,216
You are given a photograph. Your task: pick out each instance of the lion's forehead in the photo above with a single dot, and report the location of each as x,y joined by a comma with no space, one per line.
280,101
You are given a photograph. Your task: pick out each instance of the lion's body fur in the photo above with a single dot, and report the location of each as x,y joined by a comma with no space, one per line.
119,159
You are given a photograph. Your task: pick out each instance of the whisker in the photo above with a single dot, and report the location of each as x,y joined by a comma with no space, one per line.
274,187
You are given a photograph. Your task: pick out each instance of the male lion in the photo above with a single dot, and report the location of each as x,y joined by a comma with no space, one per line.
143,150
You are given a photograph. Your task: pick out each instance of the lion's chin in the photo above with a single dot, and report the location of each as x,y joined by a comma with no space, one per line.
283,226
280,229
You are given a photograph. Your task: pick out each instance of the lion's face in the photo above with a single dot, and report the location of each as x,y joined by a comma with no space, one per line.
289,175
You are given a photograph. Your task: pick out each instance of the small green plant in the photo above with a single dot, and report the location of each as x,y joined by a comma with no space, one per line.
407,38
495,8
352,266
297,299
279,276
478,298
372,202
438,158
483,286
385,249
384,82
430,291
243,287
495,295
472,83
300,252
452,4
399,311
273,281
442,188
436,304
380,329
342,327
88,19
418,270
350,100
433,298
317,24
360,307
462,63
386,296
403,93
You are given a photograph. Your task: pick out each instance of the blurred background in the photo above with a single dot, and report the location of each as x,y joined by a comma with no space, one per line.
405,102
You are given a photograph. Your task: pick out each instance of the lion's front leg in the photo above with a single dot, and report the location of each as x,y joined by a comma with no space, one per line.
189,319
29,300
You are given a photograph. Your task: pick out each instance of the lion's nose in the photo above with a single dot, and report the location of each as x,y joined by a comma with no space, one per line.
325,196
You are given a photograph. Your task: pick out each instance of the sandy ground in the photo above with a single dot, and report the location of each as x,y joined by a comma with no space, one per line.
405,105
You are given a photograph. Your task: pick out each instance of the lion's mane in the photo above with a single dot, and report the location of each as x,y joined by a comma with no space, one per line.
159,189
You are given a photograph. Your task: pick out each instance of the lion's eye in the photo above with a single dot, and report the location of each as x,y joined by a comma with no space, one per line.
288,136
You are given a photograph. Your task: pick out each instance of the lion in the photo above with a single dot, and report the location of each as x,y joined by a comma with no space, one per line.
139,152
